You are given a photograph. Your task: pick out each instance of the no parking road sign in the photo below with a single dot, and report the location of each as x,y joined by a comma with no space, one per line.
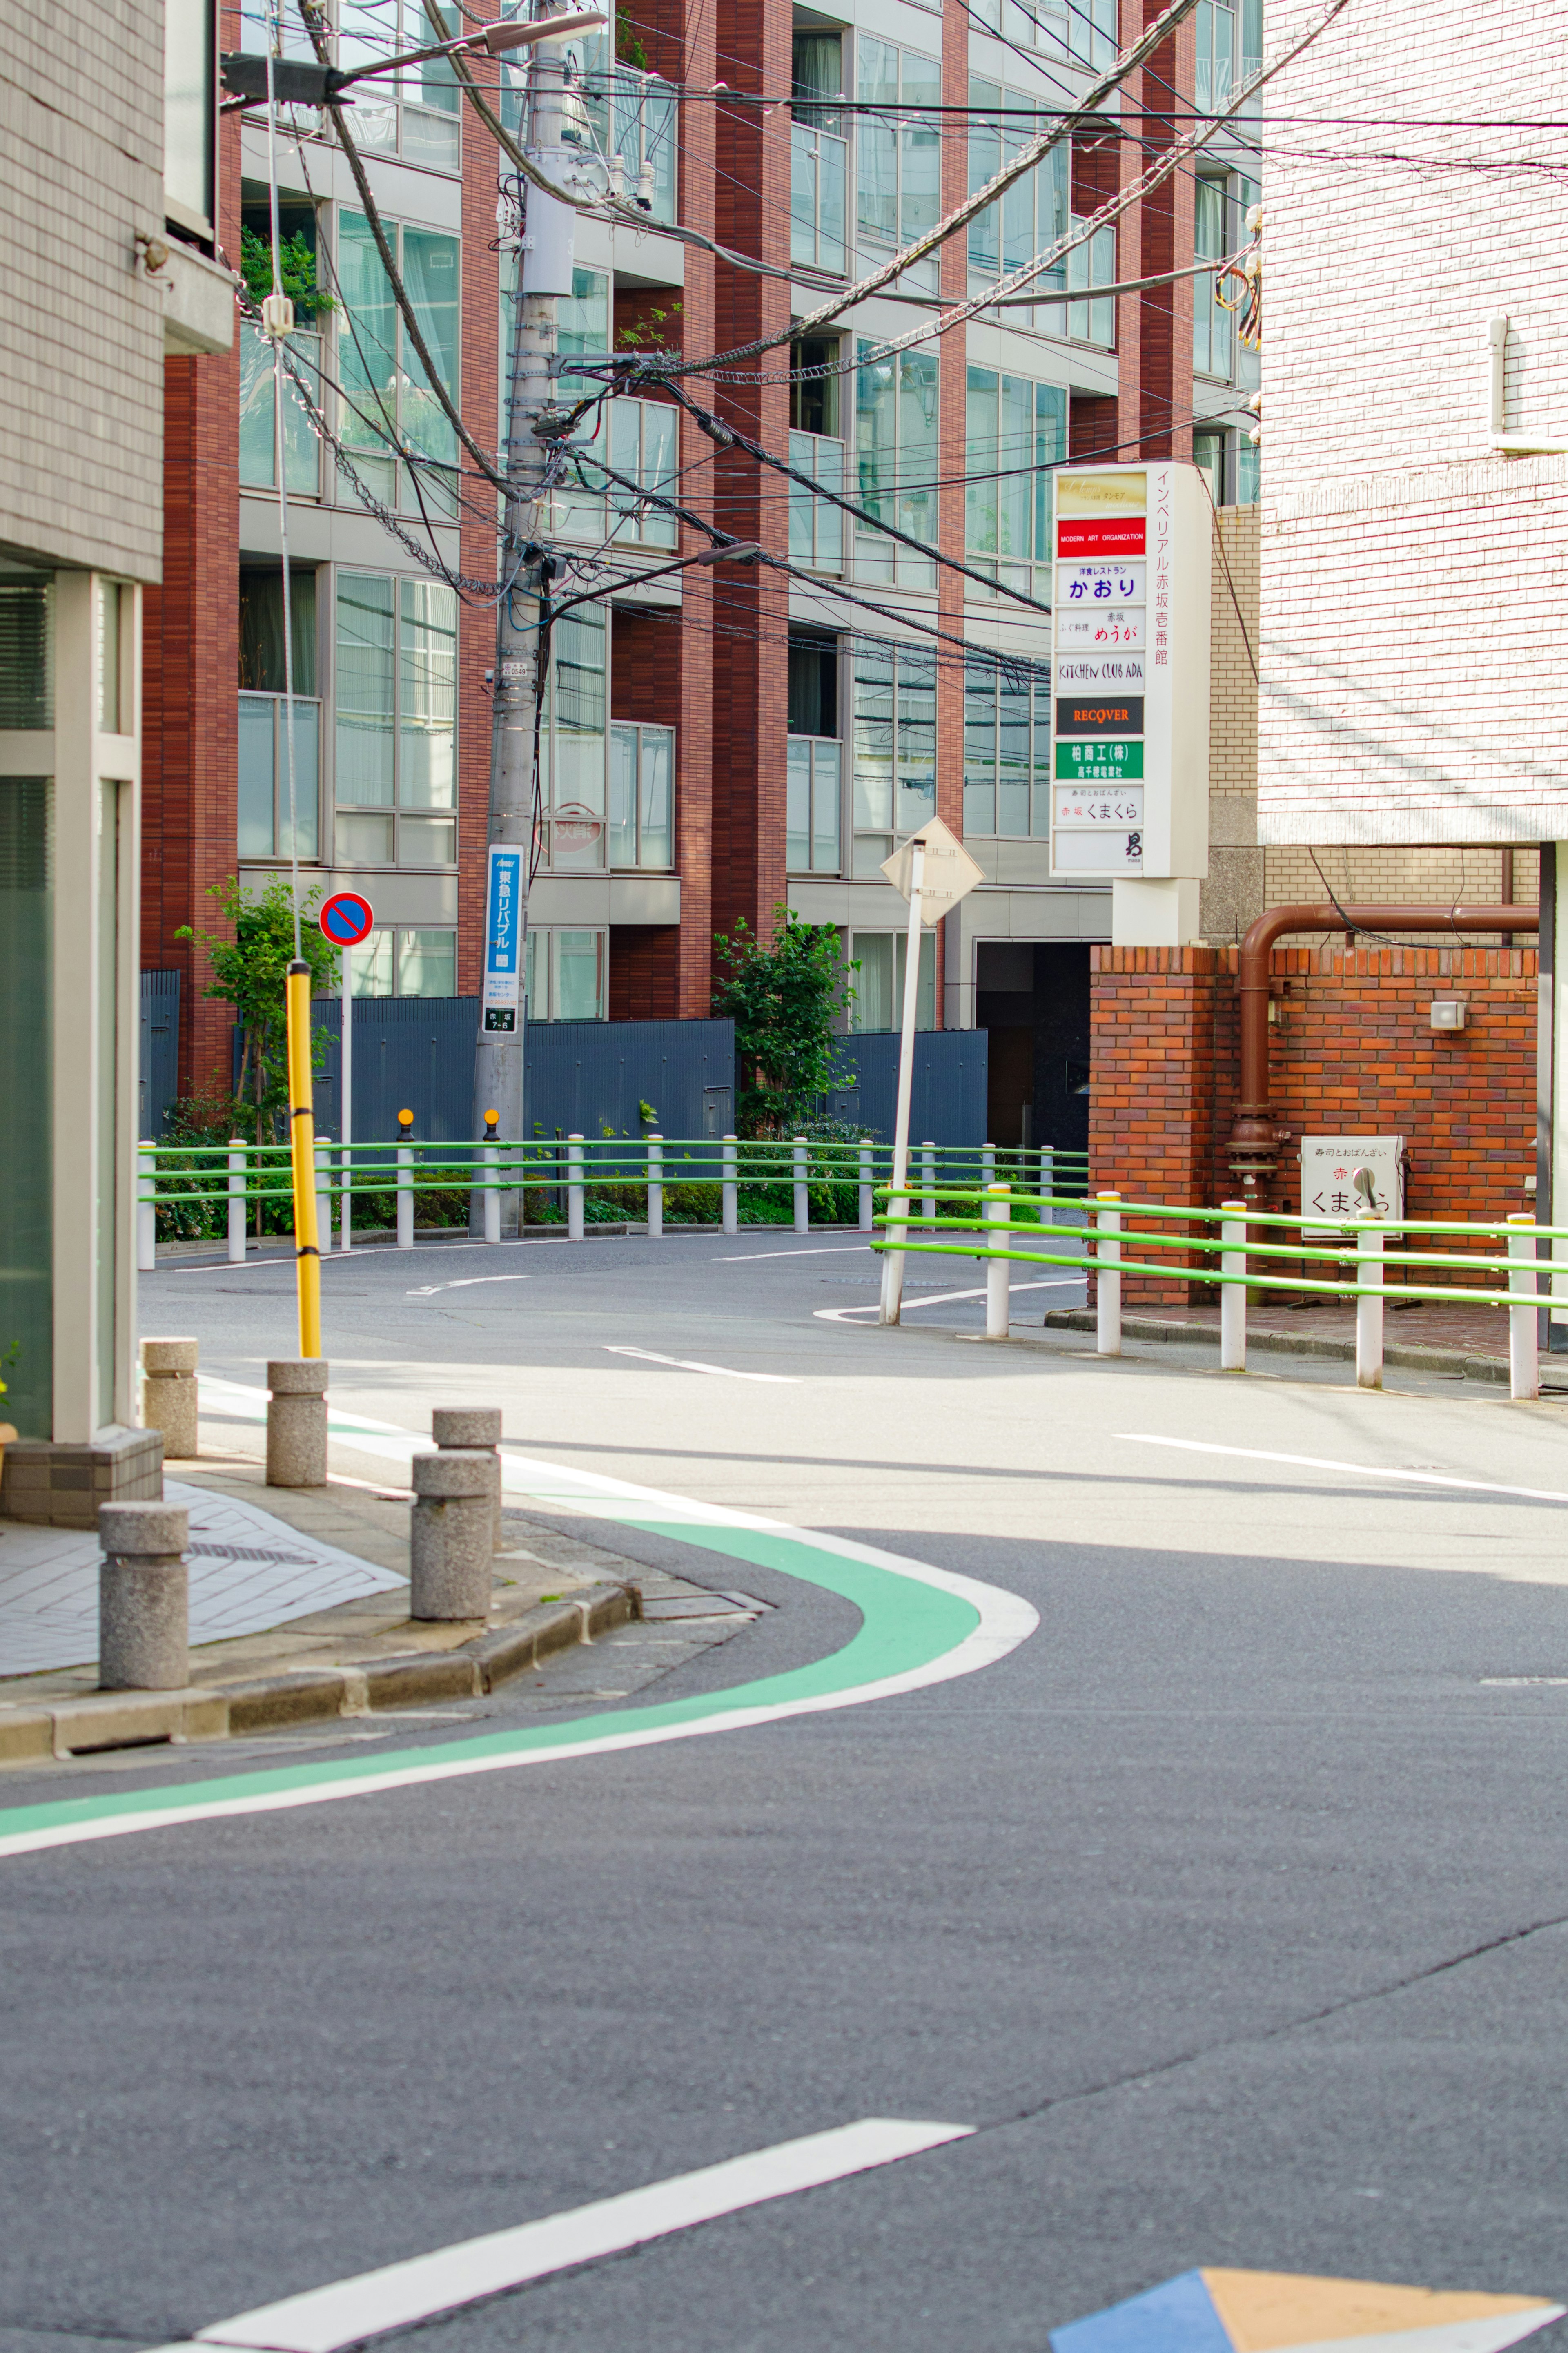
346,919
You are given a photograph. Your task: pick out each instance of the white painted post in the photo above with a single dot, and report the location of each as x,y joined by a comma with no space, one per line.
801,1196
1108,1263
997,1210
987,1166
146,1208
573,1188
324,1199
1048,1177
729,1190
1523,1356
866,1189
489,1160
1369,1305
404,1196
928,1181
346,1108
1233,1297
238,1157
655,1188
898,1196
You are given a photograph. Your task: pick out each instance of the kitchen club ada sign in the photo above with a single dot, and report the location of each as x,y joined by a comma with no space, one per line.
1131,700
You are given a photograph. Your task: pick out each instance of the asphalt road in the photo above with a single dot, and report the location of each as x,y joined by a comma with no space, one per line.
1230,1907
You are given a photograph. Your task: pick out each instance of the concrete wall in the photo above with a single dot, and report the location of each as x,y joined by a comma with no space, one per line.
81,325
1411,586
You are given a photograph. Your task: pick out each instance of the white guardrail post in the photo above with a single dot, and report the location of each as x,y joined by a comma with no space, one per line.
1107,1274
996,1213
655,1188
866,1189
1048,1177
573,1188
802,1192
237,1158
1369,1305
729,1190
146,1208
404,1196
928,1181
490,1161
324,1199
1233,1294
1523,1355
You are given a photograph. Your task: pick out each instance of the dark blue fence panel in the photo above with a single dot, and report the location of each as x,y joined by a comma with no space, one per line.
417,1053
160,1065
947,1092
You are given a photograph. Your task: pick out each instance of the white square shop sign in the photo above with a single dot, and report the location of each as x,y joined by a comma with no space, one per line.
1329,1166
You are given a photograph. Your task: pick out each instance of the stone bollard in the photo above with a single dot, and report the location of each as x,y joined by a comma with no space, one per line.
169,1394
472,1426
143,1633
297,1422
452,1537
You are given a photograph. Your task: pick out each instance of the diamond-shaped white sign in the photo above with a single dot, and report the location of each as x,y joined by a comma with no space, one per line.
950,871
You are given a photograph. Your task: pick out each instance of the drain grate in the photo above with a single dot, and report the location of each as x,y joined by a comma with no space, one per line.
250,1552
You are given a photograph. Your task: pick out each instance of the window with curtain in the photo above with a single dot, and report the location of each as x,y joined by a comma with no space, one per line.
263,782
386,395
642,796
898,169
894,782
1006,750
566,973
417,114
896,462
1220,228
397,961
572,747
878,985
1015,431
1034,212
396,722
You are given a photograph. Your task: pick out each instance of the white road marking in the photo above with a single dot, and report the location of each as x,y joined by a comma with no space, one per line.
819,1250
941,1298
1362,1470
691,1365
463,1283
325,2318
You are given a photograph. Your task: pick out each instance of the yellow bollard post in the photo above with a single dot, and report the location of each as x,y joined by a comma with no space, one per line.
302,1142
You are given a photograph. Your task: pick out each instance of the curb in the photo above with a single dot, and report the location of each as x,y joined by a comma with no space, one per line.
108,1720
1290,1344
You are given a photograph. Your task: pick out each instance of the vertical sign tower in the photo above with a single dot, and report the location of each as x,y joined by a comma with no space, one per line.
1130,694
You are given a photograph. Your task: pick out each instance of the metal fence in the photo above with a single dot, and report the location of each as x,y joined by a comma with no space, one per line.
160,1050
1235,1248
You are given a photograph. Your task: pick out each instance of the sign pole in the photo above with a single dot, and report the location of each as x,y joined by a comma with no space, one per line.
893,1264
346,1089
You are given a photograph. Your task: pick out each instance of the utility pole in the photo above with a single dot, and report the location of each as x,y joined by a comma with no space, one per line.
544,273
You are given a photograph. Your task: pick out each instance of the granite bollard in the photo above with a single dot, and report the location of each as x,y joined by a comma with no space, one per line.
473,1426
451,1541
297,1421
169,1394
143,1598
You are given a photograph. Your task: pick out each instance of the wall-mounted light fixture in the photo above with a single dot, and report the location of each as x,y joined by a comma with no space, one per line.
1448,1012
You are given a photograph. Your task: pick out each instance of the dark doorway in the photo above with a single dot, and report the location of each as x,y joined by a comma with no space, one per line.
1032,997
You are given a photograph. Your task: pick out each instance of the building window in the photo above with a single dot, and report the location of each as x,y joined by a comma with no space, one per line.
1015,429
416,962
897,462
895,747
883,959
572,746
1230,50
263,770
1080,31
898,154
1090,263
566,974
297,223
417,114
642,796
188,116
386,397
816,526
642,442
1226,456
815,781
1006,750
27,655
396,752
819,154
1220,219
1033,213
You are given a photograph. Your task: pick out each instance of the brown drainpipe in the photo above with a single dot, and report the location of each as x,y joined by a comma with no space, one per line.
1255,1135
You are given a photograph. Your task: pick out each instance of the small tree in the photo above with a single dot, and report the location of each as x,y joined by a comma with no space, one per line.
249,972
785,1000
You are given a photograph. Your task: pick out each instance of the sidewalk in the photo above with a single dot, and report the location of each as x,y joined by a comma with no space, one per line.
298,1611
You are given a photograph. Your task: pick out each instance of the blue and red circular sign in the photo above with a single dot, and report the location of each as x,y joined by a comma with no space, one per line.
347,918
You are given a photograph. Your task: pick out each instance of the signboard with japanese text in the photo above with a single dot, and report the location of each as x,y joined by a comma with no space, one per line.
1330,1167
1131,625
505,916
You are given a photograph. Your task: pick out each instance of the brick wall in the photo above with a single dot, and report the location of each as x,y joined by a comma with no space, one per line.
1411,584
1351,1052
645,966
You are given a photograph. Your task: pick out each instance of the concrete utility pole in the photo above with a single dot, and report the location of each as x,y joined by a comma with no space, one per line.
544,273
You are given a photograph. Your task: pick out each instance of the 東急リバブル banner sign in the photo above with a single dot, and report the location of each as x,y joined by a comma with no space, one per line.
505,914
1131,550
